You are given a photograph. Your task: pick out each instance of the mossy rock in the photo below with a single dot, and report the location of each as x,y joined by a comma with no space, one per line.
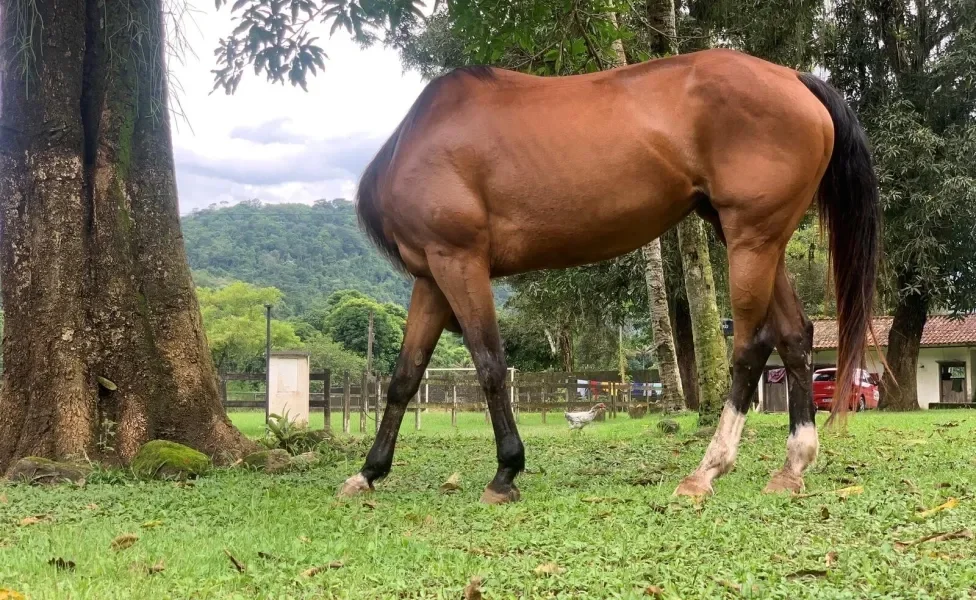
35,470
305,461
269,461
161,459
668,426
705,432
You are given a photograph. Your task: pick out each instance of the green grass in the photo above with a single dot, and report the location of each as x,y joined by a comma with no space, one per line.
598,505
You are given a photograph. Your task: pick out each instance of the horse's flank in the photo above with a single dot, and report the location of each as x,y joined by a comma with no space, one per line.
557,172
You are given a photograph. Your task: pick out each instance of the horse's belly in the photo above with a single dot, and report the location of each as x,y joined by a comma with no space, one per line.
568,228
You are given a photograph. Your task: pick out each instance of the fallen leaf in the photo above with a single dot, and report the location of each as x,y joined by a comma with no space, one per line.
948,504
268,556
654,591
735,587
34,520
911,486
824,513
807,573
850,491
6,594
370,504
830,559
549,568
152,524
159,567
304,539
472,591
237,564
336,564
92,506
943,485
61,564
126,540
593,499
452,484
962,534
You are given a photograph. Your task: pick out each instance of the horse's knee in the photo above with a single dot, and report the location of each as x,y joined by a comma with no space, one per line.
491,373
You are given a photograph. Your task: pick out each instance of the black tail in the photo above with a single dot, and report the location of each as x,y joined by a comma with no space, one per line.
367,202
850,211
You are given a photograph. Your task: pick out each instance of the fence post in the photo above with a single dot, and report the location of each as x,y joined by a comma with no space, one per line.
453,405
416,411
426,391
545,397
379,397
363,402
223,391
328,401
345,402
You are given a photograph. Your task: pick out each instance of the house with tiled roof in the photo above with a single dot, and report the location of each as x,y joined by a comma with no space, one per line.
946,360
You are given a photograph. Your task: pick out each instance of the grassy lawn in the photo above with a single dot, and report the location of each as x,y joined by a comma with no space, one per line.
597,505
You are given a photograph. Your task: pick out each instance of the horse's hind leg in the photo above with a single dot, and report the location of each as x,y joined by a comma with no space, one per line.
752,271
429,313
463,275
794,333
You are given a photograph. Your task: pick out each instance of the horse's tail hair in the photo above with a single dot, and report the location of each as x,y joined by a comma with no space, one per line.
368,202
849,207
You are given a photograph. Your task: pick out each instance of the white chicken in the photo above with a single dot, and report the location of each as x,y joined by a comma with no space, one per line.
579,420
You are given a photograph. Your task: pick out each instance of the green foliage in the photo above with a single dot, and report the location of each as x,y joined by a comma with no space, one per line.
235,321
162,459
291,436
348,324
307,252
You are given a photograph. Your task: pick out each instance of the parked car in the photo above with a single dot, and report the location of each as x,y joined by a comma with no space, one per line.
864,395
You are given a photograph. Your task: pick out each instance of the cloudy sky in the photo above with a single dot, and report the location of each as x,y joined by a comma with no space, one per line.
278,143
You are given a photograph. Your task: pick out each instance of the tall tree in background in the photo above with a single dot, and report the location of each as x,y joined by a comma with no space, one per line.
910,67
103,324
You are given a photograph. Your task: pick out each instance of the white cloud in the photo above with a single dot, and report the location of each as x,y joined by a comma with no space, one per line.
279,143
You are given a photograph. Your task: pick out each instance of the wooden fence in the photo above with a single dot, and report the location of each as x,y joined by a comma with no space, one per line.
456,392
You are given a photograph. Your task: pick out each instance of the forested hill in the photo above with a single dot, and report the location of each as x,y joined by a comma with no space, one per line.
306,251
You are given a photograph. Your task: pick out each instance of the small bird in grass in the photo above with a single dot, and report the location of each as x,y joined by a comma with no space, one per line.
579,420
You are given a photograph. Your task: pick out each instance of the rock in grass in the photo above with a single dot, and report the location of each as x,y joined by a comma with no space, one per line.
668,426
304,461
269,461
705,433
35,470
161,459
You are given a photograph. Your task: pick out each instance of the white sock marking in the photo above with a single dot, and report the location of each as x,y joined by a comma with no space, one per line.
721,452
802,448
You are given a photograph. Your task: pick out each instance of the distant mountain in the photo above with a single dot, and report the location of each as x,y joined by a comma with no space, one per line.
306,251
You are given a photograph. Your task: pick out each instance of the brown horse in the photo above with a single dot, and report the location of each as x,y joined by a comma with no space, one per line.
494,173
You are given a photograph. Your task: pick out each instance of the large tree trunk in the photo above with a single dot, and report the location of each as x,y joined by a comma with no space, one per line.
684,342
901,393
104,346
713,363
566,348
664,352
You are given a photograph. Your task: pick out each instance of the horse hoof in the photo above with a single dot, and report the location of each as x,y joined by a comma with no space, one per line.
491,496
693,487
354,486
783,481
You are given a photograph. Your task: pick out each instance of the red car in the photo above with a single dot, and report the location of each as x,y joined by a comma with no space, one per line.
863,396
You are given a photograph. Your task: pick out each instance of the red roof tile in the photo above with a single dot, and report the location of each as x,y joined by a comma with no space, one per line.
939,331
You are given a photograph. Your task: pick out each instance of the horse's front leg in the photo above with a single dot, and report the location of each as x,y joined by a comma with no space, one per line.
429,313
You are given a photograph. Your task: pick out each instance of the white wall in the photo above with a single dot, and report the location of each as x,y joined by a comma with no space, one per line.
928,368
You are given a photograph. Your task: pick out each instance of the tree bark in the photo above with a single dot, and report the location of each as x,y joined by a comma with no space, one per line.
904,339
664,353
684,344
566,348
713,363
104,345
663,32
